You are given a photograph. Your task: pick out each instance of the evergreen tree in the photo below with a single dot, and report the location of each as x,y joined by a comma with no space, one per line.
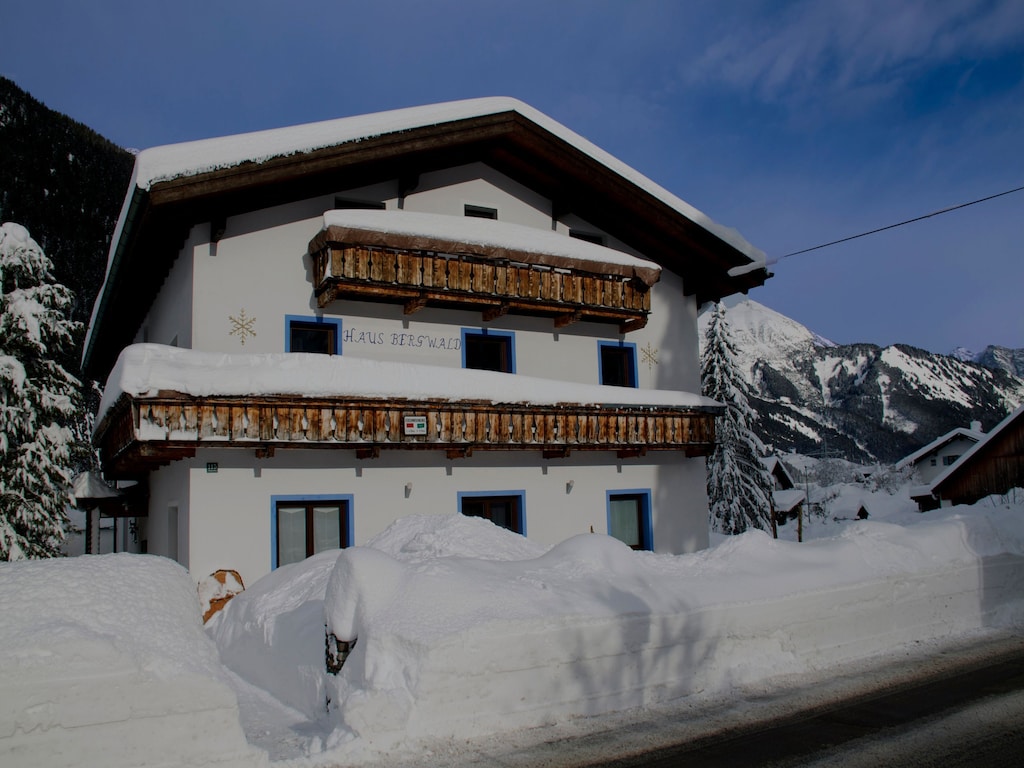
39,400
739,486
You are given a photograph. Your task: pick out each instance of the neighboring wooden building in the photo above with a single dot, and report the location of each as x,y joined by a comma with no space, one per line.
994,465
931,460
463,308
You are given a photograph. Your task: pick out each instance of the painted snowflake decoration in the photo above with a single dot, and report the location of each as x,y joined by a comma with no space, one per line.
649,355
242,326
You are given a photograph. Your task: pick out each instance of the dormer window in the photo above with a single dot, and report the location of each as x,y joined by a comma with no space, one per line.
480,212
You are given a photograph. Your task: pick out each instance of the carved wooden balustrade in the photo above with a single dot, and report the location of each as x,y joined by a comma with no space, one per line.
418,278
154,431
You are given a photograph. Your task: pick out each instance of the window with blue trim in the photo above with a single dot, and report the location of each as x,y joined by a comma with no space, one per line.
506,509
302,526
489,350
629,518
617,363
320,335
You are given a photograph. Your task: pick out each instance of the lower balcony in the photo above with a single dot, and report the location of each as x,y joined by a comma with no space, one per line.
141,433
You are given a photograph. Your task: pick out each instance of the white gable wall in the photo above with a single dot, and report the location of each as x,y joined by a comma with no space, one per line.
260,267
944,456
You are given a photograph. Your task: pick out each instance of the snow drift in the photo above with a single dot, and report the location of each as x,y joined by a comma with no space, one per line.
451,645
104,662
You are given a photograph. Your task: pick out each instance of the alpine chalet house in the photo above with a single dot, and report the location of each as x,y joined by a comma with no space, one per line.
308,333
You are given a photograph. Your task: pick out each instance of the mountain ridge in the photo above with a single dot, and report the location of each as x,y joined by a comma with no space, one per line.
859,401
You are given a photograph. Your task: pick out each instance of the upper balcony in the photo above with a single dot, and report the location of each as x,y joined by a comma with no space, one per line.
421,260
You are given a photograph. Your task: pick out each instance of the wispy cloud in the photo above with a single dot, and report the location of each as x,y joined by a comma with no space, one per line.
810,50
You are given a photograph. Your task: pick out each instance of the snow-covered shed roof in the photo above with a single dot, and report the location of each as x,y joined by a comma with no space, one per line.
787,500
937,443
175,187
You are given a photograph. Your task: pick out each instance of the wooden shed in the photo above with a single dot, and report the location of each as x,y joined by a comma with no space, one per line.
993,466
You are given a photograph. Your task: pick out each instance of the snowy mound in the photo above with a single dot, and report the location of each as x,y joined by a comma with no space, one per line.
109,650
463,629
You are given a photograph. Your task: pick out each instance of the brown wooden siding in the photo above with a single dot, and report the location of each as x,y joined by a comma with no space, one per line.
995,468
140,433
495,286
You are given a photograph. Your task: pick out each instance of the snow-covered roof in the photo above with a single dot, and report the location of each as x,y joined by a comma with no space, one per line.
787,500
145,370
934,445
499,239
194,157
89,485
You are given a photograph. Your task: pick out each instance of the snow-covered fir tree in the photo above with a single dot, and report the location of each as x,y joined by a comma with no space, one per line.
739,486
38,400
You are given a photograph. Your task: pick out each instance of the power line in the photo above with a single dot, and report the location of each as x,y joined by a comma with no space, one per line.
900,224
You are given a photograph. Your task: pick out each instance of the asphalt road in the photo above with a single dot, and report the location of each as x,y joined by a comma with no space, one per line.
954,704
972,717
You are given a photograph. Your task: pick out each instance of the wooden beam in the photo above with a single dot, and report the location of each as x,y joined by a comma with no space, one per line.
555,453
415,305
632,325
561,321
493,313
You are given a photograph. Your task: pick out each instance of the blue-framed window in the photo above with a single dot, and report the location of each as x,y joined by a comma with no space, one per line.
629,517
489,350
616,361
312,334
303,525
503,508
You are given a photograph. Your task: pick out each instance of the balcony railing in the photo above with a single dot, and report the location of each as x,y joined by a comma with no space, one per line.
139,433
418,278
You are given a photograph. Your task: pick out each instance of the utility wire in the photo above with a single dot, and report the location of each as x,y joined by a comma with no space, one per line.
900,224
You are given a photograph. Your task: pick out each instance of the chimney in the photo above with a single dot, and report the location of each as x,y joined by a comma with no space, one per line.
976,426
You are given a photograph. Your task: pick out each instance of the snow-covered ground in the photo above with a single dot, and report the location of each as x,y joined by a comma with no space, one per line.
465,632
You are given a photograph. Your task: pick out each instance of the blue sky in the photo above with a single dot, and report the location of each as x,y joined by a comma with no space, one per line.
797,123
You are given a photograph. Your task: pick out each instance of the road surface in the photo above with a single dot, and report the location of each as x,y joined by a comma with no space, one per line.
954,704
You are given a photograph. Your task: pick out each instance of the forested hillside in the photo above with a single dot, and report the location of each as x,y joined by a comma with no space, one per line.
64,183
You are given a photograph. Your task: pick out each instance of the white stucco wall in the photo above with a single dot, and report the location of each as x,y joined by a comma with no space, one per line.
230,510
234,295
260,267
958,447
169,320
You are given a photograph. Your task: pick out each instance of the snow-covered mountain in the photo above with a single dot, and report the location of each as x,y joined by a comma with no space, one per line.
1002,358
859,401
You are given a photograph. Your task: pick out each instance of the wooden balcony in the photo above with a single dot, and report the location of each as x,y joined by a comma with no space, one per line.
418,278
138,434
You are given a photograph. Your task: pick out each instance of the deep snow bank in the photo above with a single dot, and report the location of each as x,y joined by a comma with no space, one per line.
104,662
454,645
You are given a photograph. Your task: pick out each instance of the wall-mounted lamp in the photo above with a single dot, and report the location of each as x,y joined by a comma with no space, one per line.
569,485
408,490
